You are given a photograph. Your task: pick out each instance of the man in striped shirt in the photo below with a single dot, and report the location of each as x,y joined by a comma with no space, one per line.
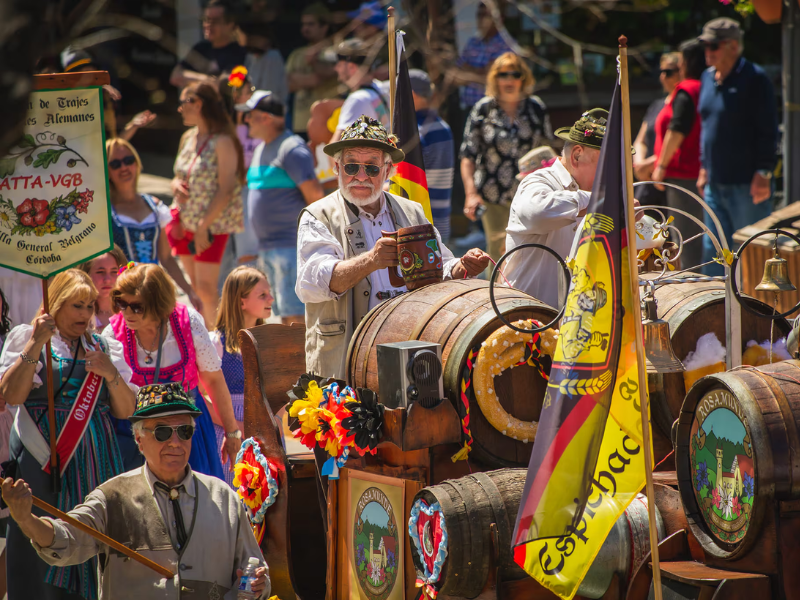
437,151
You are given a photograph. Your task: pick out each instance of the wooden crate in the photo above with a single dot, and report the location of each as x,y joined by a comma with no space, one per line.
760,250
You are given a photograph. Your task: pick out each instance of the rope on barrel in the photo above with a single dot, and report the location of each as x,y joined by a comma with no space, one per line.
533,356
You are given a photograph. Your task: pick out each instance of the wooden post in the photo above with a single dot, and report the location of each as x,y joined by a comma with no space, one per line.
634,279
55,467
102,538
392,66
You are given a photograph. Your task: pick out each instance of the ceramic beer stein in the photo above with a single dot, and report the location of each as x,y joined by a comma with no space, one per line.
419,255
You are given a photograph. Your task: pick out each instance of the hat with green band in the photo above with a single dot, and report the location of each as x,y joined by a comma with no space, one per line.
163,400
588,131
366,132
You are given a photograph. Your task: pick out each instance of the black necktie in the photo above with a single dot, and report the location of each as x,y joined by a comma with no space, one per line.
173,494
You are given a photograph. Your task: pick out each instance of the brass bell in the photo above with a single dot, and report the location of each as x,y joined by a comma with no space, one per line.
659,356
776,275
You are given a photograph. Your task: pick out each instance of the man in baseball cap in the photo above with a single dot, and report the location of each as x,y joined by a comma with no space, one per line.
739,135
281,181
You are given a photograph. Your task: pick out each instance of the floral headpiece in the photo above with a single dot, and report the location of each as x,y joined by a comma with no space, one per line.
237,77
124,268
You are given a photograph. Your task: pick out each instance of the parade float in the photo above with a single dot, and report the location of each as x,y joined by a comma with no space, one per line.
409,474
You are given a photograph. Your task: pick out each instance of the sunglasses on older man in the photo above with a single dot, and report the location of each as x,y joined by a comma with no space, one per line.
163,433
137,308
713,46
352,169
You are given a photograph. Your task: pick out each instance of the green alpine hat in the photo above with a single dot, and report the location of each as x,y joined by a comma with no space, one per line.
163,400
366,132
588,131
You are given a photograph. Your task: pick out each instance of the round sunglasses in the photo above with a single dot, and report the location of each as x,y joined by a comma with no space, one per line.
136,307
163,433
118,162
352,169
510,75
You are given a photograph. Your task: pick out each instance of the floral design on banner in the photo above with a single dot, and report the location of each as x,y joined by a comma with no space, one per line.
256,482
335,419
52,146
41,217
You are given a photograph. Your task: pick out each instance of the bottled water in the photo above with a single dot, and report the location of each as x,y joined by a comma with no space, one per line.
247,579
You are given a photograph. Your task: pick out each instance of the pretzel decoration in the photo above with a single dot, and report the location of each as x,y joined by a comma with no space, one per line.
505,349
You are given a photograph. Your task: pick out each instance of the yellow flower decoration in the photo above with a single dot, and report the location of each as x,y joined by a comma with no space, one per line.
248,476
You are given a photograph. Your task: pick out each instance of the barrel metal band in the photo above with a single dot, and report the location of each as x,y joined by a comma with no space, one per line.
500,514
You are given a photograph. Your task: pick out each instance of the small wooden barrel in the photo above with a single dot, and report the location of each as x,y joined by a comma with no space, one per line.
692,310
737,452
459,316
470,505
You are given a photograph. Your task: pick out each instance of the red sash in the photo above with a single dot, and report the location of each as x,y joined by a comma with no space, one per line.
78,420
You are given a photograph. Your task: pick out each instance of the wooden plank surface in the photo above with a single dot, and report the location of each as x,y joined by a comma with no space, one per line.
70,80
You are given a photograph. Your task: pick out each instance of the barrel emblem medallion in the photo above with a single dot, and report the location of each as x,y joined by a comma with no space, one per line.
376,544
722,466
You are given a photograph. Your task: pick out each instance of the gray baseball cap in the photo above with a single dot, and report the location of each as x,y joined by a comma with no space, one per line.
719,30
420,83
264,101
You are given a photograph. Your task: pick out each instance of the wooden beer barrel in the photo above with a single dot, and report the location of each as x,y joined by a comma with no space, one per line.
470,505
736,453
459,316
692,310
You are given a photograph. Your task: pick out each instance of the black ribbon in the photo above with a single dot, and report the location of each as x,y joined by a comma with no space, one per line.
176,509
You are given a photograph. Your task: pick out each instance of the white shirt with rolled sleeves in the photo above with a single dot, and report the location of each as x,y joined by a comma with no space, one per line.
319,252
544,211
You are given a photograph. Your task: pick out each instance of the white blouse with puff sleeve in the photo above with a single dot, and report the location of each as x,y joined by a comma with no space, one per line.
207,358
19,336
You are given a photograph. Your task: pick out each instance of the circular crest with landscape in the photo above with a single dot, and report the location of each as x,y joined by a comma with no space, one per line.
722,466
375,544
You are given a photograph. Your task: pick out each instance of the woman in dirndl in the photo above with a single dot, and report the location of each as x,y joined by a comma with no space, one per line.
79,356
165,341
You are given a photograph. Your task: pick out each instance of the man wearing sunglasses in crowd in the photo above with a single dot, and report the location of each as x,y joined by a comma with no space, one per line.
343,255
281,181
163,510
739,135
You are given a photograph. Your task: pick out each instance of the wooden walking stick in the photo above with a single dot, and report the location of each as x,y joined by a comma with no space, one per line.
55,466
101,537
392,66
644,403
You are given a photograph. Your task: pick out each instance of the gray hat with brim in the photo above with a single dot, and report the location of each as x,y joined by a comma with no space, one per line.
720,30
163,400
366,132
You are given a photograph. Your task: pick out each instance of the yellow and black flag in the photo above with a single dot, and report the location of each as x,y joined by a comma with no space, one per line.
409,181
587,463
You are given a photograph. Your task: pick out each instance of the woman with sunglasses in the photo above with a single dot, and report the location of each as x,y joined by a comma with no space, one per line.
209,172
90,454
137,219
501,129
677,148
160,335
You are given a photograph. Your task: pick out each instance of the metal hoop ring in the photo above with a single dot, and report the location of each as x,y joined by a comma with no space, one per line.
735,287
496,269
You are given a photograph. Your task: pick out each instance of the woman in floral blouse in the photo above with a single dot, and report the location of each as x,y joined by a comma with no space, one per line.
501,128
209,173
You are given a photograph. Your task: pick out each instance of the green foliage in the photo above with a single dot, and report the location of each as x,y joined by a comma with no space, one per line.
47,158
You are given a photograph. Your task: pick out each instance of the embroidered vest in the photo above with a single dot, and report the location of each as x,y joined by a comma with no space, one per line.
184,371
330,325
134,519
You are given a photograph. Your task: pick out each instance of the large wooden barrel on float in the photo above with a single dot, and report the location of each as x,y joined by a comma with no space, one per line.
459,316
452,530
737,453
692,310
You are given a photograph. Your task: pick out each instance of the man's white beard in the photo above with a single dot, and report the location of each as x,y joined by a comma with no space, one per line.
361,203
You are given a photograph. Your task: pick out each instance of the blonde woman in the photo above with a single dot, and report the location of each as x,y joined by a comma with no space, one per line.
77,355
501,129
246,302
138,220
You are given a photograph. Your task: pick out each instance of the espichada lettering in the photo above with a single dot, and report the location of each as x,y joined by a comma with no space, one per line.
604,486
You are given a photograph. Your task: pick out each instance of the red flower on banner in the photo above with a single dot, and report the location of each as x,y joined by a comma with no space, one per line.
33,212
82,204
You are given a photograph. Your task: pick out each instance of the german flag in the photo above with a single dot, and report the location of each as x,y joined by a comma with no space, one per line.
409,181
587,463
